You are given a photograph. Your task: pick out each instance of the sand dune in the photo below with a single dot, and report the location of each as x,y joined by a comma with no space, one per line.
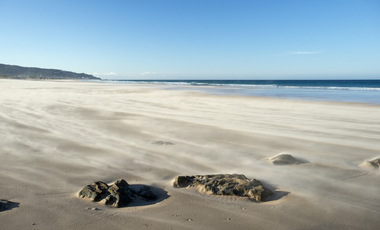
57,137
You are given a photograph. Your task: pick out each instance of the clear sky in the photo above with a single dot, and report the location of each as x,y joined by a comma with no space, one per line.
195,39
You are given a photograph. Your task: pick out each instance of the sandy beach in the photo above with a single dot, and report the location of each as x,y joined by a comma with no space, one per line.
58,136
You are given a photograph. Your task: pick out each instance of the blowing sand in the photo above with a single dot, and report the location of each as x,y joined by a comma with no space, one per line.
57,137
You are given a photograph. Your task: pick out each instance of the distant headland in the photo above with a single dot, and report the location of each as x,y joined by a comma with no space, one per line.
19,72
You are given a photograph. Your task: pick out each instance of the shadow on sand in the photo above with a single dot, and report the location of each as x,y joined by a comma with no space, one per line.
277,194
159,192
8,205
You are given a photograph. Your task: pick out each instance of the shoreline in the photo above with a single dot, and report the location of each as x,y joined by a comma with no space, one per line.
219,91
57,137
306,93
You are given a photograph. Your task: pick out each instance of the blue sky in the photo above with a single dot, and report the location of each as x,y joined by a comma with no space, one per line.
195,39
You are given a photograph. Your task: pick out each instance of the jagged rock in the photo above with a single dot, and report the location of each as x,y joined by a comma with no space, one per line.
183,181
225,184
161,143
284,159
120,194
374,164
96,192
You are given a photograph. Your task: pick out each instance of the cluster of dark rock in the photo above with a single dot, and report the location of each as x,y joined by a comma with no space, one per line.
225,184
120,194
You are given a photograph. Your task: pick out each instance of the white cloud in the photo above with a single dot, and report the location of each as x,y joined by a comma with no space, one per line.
110,74
104,74
304,52
148,73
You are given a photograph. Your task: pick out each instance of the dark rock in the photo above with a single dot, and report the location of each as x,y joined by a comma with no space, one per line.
183,181
121,184
284,159
225,184
120,195
96,192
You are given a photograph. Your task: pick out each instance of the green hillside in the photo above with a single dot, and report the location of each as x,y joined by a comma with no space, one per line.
19,72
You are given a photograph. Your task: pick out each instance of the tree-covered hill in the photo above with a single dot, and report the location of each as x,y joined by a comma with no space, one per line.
19,72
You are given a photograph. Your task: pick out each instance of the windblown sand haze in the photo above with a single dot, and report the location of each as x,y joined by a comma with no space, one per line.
56,137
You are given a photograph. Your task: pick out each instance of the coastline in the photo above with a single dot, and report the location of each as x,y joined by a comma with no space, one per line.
57,137
356,91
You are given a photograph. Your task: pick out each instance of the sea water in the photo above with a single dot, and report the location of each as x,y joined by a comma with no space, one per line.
359,91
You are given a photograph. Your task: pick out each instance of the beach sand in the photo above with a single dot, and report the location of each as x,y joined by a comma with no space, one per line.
58,136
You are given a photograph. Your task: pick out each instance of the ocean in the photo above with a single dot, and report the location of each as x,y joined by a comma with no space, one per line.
358,91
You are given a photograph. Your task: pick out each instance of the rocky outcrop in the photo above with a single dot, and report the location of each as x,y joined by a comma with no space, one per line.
225,184
284,159
120,194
